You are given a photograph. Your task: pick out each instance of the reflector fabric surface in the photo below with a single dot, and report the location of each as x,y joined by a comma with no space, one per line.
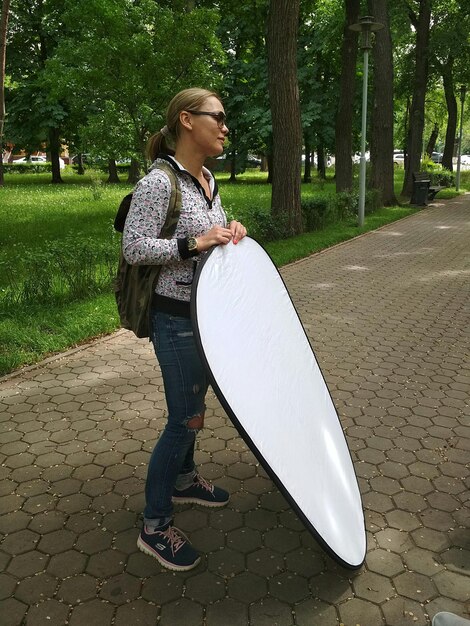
267,378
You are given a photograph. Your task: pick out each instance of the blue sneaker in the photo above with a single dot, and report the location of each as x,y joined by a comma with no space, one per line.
201,492
170,547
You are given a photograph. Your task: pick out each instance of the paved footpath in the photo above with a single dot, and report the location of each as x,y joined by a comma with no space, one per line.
388,316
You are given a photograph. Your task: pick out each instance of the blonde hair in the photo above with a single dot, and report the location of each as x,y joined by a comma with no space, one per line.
165,139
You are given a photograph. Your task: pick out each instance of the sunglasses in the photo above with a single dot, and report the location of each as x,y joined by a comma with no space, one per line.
219,117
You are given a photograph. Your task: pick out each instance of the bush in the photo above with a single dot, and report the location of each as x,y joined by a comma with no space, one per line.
27,168
316,212
438,175
262,226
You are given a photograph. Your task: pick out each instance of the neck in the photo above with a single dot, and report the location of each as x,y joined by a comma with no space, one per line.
190,160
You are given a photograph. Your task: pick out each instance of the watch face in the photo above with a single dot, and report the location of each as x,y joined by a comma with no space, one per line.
192,243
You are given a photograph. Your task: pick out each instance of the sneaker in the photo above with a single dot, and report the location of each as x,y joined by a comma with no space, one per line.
170,547
201,492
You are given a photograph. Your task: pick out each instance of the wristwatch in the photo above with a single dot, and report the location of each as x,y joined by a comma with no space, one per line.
192,245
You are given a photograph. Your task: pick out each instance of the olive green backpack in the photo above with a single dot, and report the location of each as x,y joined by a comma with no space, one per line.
134,285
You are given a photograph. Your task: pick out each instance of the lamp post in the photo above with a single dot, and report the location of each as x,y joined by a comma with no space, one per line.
463,91
366,26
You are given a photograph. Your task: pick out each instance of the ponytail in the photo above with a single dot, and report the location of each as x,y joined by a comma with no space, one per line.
156,144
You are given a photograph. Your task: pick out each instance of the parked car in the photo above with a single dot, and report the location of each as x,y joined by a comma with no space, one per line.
32,159
436,157
399,159
465,159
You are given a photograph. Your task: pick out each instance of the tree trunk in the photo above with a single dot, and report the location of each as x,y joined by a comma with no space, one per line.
233,159
3,51
344,114
308,160
54,147
134,172
321,163
432,140
80,168
113,173
381,136
451,101
282,29
416,123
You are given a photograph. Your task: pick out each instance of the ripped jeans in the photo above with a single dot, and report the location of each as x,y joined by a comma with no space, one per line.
185,381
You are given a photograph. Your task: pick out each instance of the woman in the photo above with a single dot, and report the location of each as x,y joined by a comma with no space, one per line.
195,129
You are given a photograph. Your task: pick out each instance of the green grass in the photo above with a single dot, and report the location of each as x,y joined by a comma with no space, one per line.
36,216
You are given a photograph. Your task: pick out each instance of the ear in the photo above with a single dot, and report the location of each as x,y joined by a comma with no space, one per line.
185,120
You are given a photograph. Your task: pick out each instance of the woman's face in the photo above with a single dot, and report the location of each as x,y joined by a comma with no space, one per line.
208,127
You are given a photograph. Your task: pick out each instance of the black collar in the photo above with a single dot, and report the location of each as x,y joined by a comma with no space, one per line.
178,168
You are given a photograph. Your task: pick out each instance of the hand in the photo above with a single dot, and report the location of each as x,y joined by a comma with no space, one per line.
217,235
238,231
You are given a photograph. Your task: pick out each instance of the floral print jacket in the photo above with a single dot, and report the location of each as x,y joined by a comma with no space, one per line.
141,244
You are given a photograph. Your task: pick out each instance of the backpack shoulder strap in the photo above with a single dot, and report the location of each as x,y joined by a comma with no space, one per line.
174,207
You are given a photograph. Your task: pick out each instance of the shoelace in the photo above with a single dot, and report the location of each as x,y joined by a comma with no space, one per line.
175,539
205,484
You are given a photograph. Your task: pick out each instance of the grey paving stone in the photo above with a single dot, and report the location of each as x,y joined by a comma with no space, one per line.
270,612
137,613
92,613
46,613
77,589
181,613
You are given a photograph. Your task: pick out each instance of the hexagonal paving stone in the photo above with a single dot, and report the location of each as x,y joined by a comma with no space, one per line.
226,562
182,612
92,613
247,587
314,611
137,613
105,564
48,612
20,542
384,562
36,588
244,539
356,611
205,587
67,564
403,611
162,588
305,562
270,612
12,612
121,589
28,564
331,588
394,540
288,587
77,589
57,541
226,611
282,540
415,586
453,586
373,587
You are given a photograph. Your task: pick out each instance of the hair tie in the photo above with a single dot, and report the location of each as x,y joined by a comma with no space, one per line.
165,131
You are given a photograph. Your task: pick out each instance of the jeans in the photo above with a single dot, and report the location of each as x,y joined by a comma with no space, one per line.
185,382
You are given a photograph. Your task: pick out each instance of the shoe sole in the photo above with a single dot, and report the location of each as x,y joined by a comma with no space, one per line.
175,568
213,505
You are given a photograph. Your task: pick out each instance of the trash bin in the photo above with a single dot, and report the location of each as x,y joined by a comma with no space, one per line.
420,192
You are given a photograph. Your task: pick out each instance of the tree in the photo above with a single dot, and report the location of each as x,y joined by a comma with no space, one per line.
3,49
421,23
122,67
34,117
381,136
344,115
282,30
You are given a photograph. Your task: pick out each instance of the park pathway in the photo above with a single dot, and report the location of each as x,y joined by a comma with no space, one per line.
388,316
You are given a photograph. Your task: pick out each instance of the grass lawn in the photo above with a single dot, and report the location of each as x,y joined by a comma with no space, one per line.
40,220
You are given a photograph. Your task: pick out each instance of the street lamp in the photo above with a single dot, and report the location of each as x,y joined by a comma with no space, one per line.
463,90
366,26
